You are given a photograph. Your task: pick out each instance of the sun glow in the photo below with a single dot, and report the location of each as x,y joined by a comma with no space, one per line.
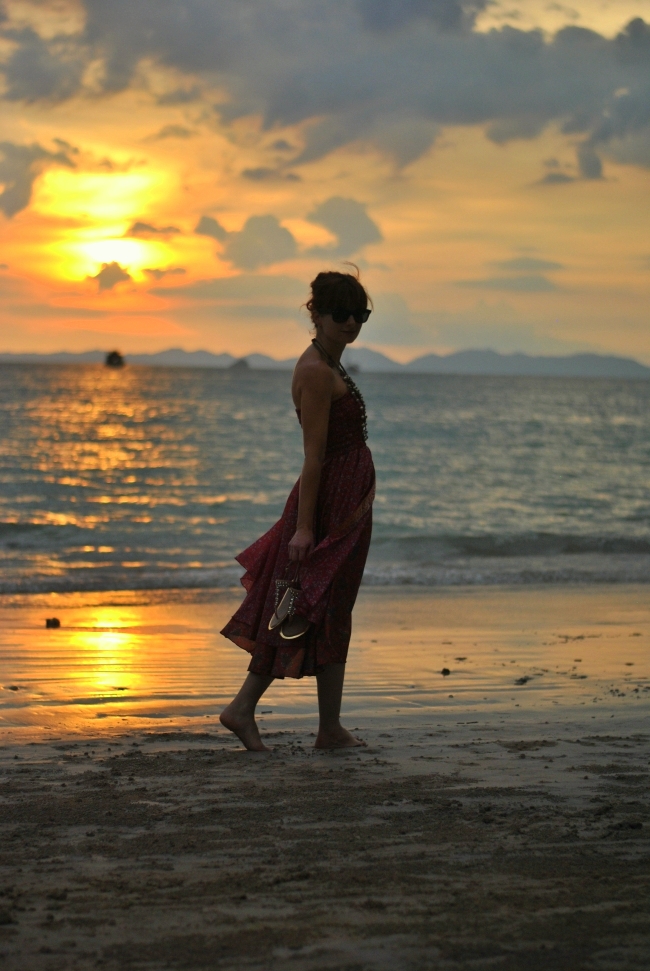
110,197
97,209
133,254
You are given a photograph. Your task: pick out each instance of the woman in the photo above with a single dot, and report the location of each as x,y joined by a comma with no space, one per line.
323,535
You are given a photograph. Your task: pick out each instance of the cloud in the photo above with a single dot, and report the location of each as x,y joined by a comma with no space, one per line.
382,72
158,274
589,162
556,178
207,226
20,166
110,275
264,174
37,69
390,15
261,242
527,264
171,131
146,229
180,96
631,149
246,286
348,220
505,130
529,283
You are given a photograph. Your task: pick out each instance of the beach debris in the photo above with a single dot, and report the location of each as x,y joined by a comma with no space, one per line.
445,672
13,687
460,659
526,678
52,622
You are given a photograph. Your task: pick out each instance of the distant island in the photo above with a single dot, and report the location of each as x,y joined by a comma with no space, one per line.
365,360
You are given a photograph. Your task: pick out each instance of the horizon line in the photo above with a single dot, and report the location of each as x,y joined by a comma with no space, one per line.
202,350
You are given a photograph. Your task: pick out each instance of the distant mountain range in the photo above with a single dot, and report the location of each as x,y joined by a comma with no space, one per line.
483,362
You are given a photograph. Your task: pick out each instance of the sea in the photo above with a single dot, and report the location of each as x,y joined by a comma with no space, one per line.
149,478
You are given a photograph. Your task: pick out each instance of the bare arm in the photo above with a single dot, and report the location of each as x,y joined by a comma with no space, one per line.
317,382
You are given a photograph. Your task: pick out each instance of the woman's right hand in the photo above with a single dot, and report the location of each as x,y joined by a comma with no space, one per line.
301,544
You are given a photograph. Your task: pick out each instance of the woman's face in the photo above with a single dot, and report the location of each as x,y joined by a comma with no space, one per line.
344,333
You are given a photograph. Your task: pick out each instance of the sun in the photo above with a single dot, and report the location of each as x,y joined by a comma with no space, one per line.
87,258
95,211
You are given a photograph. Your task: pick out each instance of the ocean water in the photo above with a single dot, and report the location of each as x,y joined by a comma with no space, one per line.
152,478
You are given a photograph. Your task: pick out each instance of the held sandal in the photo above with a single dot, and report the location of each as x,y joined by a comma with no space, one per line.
287,591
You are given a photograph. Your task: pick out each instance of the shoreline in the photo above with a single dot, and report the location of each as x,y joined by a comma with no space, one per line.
209,593
497,817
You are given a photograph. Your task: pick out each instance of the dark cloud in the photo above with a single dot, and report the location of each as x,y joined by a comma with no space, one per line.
207,226
388,15
382,72
348,220
589,161
20,166
180,96
171,131
110,275
146,229
37,69
158,274
556,178
632,149
528,264
505,130
261,242
529,283
264,174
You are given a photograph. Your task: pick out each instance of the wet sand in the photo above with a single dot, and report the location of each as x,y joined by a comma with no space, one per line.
497,819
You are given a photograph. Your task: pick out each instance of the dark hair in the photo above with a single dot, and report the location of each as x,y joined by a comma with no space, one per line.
332,290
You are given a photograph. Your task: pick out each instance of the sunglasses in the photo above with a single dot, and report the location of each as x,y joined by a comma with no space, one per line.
340,316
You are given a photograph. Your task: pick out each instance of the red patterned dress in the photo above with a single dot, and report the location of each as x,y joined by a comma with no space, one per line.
331,575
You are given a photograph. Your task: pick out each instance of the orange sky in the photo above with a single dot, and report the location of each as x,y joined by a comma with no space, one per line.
489,200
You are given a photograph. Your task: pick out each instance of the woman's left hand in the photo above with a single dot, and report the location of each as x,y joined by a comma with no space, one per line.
301,544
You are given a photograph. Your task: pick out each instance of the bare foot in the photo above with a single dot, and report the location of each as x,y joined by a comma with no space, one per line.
244,727
337,738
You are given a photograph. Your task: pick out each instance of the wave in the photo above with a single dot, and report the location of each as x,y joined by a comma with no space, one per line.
443,546
580,569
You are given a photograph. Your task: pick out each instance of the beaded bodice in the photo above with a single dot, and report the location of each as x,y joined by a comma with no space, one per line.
351,386
346,427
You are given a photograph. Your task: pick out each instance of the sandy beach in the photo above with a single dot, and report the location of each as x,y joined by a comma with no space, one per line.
498,817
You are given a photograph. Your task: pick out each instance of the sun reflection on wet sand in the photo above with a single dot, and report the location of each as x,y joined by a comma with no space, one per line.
507,653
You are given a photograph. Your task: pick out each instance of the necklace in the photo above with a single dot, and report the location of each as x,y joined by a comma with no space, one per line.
351,386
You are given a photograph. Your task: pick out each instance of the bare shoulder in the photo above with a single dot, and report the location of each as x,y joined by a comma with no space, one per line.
312,376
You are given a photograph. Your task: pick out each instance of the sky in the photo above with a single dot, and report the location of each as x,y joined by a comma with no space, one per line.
173,173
